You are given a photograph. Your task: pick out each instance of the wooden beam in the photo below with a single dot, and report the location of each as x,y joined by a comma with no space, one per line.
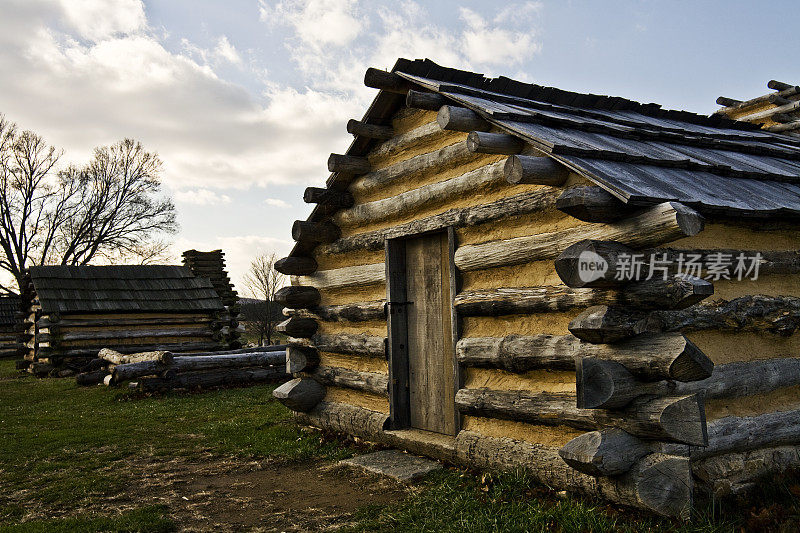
116,358
348,164
481,142
676,419
778,100
678,291
372,382
649,357
779,85
348,343
504,208
455,155
355,312
300,358
526,169
300,394
412,201
298,297
592,204
454,118
425,100
330,198
346,277
603,324
608,385
298,327
774,314
296,265
608,452
657,225
738,473
346,418
386,81
370,131
314,232
659,483
727,102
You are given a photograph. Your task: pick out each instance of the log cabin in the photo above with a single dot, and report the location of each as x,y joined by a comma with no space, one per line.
10,326
72,312
601,292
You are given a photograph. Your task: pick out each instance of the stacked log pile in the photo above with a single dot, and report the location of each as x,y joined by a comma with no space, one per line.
10,327
211,265
629,420
777,111
161,371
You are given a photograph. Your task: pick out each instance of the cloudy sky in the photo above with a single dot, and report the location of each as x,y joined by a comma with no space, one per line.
245,99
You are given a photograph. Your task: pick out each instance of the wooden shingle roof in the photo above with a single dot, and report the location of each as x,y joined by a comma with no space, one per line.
9,307
126,288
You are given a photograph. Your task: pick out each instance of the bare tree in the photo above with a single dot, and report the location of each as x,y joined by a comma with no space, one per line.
109,208
263,281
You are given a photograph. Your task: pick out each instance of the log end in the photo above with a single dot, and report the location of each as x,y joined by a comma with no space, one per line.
300,394
603,324
602,384
664,485
608,452
689,221
591,204
691,364
300,358
296,266
684,419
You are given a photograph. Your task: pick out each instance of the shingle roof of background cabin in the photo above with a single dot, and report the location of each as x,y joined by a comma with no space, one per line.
639,152
126,288
9,307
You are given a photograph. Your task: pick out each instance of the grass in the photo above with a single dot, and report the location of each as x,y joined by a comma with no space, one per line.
57,442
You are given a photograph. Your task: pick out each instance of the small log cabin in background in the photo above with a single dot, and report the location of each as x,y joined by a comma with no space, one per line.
442,300
72,312
10,326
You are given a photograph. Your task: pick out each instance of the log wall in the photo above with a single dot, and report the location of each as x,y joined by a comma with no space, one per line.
508,238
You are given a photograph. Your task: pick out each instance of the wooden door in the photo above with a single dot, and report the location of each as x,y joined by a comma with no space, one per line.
431,357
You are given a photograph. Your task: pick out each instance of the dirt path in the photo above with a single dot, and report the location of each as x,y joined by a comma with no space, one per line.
235,495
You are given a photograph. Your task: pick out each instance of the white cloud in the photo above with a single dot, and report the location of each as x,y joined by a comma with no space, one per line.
226,51
317,22
508,39
277,202
96,20
201,197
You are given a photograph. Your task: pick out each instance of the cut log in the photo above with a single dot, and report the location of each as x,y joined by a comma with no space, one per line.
781,86
778,100
314,232
592,204
353,344
370,131
657,482
298,327
680,419
737,473
608,385
125,372
348,164
727,102
648,357
300,358
455,155
345,277
95,377
371,382
215,378
296,265
608,452
67,339
603,324
504,208
174,347
526,169
116,358
744,378
425,100
411,201
253,349
331,198
300,394
355,312
454,118
298,297
482,142
655,226
345,418
386,81
677,291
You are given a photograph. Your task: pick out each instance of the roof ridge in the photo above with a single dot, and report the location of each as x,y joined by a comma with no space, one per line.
531,91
